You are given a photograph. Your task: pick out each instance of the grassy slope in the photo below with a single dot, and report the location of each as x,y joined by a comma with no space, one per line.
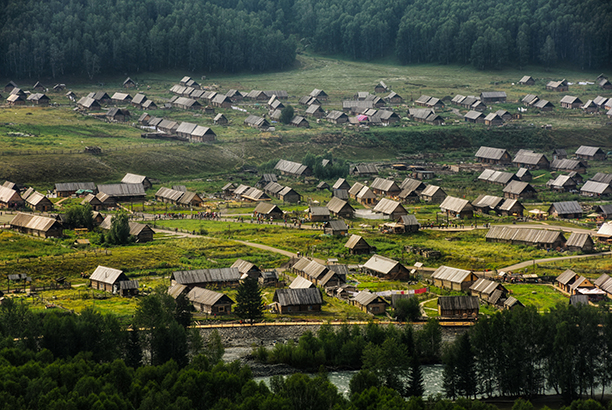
59,129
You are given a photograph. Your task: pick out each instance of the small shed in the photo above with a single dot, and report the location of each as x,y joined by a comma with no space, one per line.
318,214
457,207
566,209
129,83
357,245
340,208
269,210
369,303
109,280
580,242
391,209
433,194
565,280
527,80
591,153
513,303
408,223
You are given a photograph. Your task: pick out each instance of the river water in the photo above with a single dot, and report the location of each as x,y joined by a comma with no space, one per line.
432,379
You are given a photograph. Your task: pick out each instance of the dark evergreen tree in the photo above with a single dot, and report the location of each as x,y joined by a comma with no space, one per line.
119,233
249,302
287,114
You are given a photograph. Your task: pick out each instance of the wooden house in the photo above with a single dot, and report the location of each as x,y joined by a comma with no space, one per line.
210,302
318,214
518,190
138,100
530,99
590,153
504,115
394,98
121,98
15,99
465,307
117,114
220,119
137,179
301,282
590,107
530,160
36,225
391,209
568,165
497,177
268,210
129,83
315,110
340,208
457,207
563,183
363,169
149,105
366,196
381,87
527,80
100,96
39,99
292,168
357,245
297,300
288,194
571,102
511,207
544,105
10,198
299,121
475,117
433,194
387,187
335,228
337,117
39,202
604,84
369,303
485,289
523,174
493,119
110,280
407,224
488,97
319,94
512,303
540,238
566,209
143,233
595,189
10,86
386,268
66,189
453,278
580,242
221,277
604,282
558,86
341,184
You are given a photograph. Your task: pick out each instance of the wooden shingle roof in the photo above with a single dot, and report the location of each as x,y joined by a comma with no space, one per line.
454,275
106,275
458,302
296,297
491,153
206,276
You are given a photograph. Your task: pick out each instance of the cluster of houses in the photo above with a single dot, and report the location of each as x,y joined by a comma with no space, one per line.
18,96
517,185
582,289
183,131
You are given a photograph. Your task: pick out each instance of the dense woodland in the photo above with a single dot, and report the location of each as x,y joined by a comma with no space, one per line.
58,37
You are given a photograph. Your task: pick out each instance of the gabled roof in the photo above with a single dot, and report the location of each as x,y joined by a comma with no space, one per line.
602,177
567,164
408,220
301,282
383,184
595,187
133,179
562,181
491,153
206,276
566,207
35,222
243,266
318,211
569,99
453,275
364,298
207,297
387,206
265,208
518,187
105,275
484,286
336,205
578,240
296,297
499,177
121,190
493,94
381,264
528,157
354,240
509,204
456,205
431,190
588,151
490,201
74,186
474,115
291,167
336,225
458,302
543,103
525,235
341,184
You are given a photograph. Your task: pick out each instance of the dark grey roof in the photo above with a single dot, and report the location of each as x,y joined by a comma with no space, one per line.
458,302
493,94
484,286
589,151
566,277
296,297
319,211
364,298
336,225
408,220
498,177
128,284
517,187
74,186
595,187
528,157
567,164
207,297
291,167
602,177
541,237
207,276
567,207
578,240
456,205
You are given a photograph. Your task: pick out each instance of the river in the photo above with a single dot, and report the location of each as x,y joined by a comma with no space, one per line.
432,379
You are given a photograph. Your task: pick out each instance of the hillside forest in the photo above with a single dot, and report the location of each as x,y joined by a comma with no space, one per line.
82,37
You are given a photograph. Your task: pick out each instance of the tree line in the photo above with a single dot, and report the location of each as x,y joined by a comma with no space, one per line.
523,353
55,38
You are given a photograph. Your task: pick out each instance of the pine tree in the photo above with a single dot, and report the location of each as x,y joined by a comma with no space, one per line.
287,114
249,302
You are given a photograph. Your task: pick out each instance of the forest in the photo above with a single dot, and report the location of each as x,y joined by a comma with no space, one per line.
83,37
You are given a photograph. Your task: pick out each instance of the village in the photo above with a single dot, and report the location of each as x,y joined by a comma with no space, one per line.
556,203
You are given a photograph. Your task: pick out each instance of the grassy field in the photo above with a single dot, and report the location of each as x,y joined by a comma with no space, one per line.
57,130
543,297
